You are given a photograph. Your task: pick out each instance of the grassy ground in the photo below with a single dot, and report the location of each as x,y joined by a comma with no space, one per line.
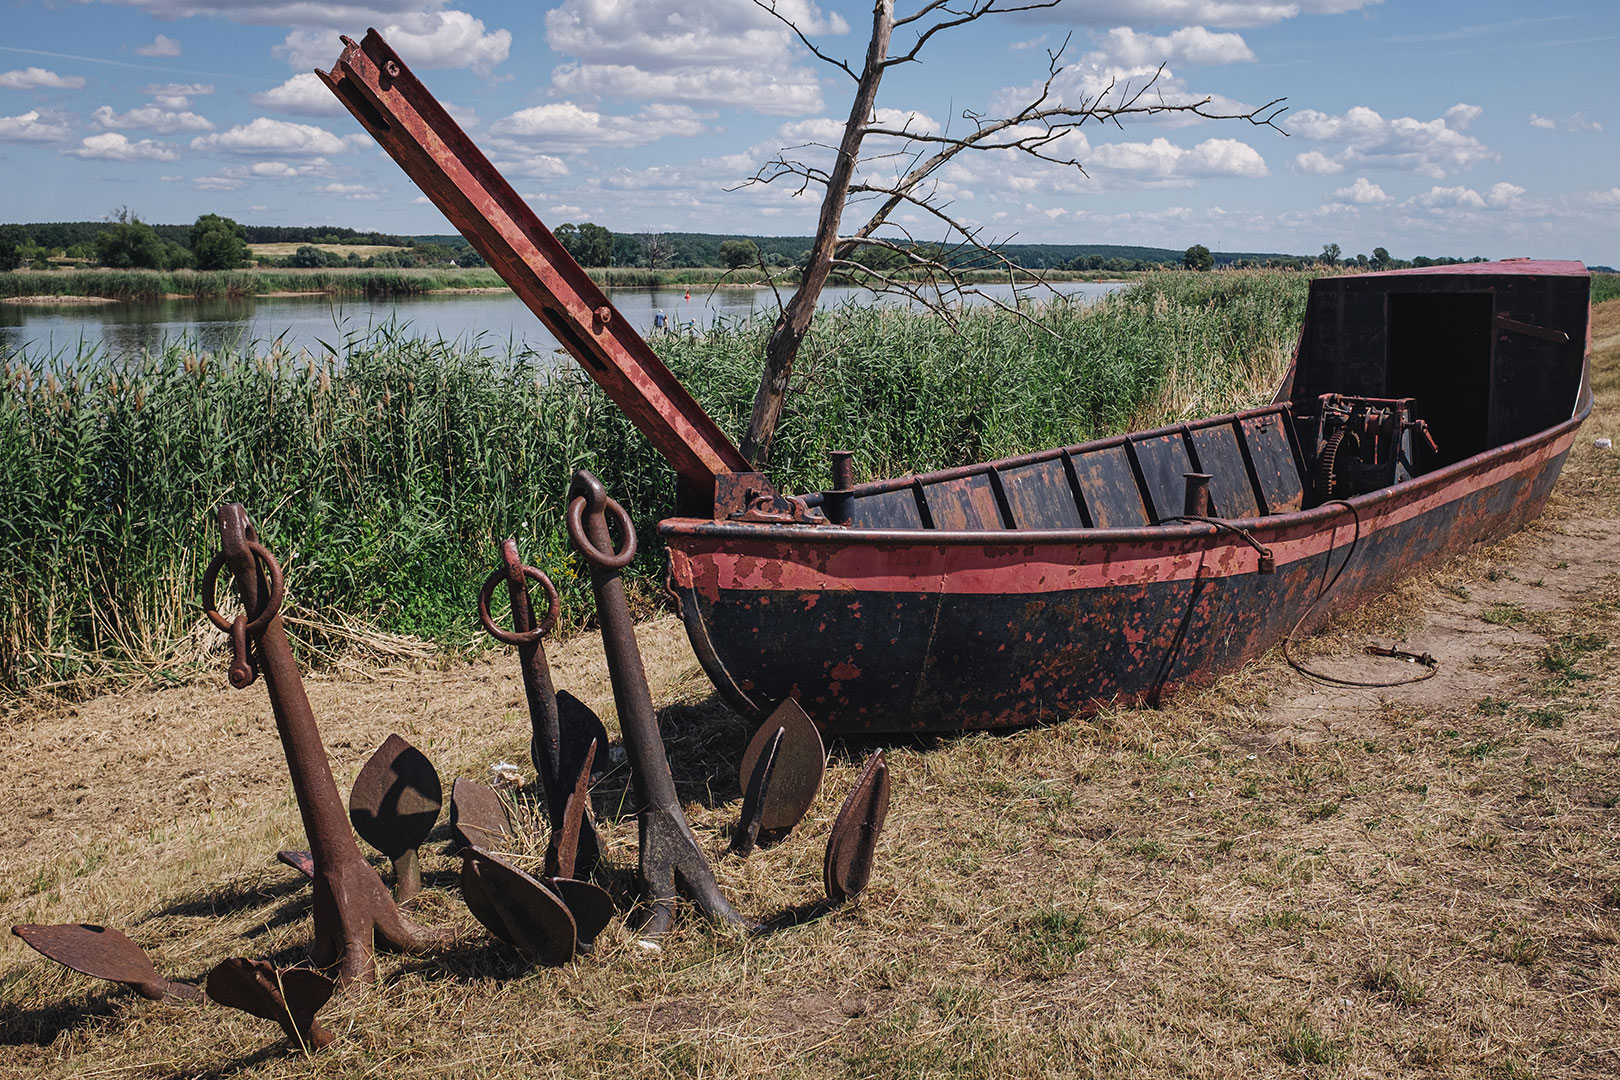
281,251
1265,879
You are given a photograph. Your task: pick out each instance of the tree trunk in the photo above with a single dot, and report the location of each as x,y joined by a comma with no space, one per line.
793,324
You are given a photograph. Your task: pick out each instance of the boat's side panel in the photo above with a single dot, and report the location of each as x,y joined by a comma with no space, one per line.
924,635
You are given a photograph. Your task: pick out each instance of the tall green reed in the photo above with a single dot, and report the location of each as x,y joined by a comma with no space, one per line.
384,477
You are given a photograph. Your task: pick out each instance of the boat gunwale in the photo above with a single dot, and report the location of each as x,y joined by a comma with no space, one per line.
1270,524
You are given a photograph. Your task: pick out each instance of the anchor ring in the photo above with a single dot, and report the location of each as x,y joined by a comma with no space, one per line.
486,593
576,533
272,570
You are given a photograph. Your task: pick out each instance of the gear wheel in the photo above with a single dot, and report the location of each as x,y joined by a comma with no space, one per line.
1327,464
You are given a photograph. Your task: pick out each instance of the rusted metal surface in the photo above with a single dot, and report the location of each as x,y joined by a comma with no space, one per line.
780,773
104,953
353,911
517,908
291,997
589,903
299,861
478,817
414,129
669,853
847,867
393,805
555,746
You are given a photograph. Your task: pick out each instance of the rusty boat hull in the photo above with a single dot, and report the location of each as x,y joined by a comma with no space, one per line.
985,624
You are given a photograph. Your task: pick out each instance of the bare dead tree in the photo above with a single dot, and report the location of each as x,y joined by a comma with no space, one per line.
934,276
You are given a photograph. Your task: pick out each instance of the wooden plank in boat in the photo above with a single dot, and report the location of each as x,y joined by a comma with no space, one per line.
1276,472
1040,497
967,503
1221,457
1109,486
886,510
1164,464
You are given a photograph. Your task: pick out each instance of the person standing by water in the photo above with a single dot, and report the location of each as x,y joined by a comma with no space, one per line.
660,321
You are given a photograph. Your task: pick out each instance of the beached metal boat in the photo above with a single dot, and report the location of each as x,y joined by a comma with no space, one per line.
1426,411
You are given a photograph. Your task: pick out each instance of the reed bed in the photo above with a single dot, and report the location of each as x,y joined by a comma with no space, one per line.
217,284
384,476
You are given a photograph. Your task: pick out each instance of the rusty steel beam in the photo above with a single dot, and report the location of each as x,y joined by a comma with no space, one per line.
406,120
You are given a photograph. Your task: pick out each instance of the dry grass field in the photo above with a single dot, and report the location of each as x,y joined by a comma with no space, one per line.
1269,878
281,251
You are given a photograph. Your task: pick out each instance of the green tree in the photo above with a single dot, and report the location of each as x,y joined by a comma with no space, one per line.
307,257
739,253
12,242
1330,253
590,244
130,243
1198,258
218,243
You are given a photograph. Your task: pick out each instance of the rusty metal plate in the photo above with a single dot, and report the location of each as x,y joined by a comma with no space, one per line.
886,510
1164,463
801,762
104,953
517,908
1040,497
847,868
1109,486
578,727
965,504
589,904
477,816
1221,457
290,997
395,800
1276,470
301,861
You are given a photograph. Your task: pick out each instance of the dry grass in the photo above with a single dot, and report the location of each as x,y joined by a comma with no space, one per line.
281,251
1265,879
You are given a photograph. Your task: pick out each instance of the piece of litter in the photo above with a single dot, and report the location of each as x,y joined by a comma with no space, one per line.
504,776
1603,444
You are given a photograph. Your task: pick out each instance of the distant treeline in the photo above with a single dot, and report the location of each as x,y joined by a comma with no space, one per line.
61,235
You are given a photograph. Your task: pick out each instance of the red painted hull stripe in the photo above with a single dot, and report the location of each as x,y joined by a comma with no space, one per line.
823,560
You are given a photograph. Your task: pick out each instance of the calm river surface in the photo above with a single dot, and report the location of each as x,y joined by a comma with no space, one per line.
124,330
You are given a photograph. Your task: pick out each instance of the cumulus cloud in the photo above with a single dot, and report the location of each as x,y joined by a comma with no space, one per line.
1497,197
1164,162
1543,122
28,127
229,179
176,95
38,78
431,39
1362,193
1610,197
565,126
1190,44
1233,13
1577,122
150,116
302,95
267,136
1362,138
355,192
113,146
711,52
159,46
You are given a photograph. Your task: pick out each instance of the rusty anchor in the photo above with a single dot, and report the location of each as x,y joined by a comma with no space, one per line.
104,953
517,908
352,908
781,772
561,725
847,867
291,997
669,853
394,805
478,817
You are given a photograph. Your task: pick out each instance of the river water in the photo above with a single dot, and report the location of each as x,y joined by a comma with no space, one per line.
125,330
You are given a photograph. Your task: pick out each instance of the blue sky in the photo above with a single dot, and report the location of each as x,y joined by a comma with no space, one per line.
1427,128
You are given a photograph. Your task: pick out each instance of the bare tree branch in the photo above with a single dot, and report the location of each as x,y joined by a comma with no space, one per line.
770,8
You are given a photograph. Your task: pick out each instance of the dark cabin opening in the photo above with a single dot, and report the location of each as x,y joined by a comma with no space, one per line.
1440,355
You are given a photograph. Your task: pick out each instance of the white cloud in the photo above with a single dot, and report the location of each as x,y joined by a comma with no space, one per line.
1163,161
1364,139
113,146
1605,198
715,52
353,192
176,95
150,116
217,183
432,39
267,136
35,78
1235,13
229,179
566,126
159,46
28,128
1190,44
1576,122
1459,116
1503,194
1362,193
1543,122
302,95
285,12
